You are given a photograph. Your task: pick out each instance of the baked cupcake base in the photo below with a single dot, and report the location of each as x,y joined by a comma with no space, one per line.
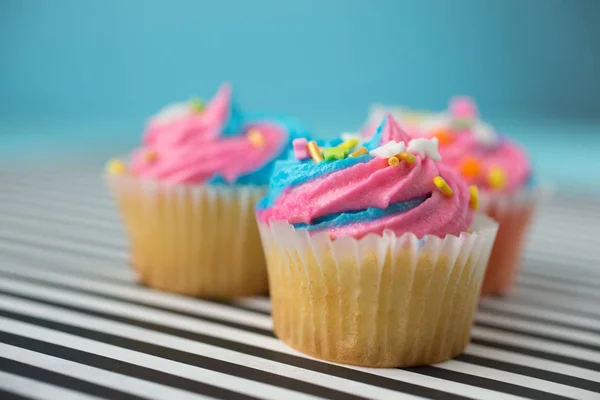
514,214
381,301
193,240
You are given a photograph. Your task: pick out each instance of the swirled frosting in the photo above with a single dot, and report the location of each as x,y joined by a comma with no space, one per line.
190,143
468,145
366,194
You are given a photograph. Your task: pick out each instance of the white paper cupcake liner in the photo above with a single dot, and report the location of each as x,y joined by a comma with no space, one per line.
199,240
381,301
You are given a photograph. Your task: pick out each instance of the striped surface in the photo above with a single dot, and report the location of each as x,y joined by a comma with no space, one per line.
75,325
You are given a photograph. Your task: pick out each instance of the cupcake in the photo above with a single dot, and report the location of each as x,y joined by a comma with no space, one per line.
496,165
187,197
375,257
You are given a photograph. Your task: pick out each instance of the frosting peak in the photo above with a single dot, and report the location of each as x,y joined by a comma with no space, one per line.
191,143
388,189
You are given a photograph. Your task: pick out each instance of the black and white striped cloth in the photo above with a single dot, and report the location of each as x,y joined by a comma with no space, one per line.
74,324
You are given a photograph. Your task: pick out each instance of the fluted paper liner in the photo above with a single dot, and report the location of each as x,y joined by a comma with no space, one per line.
198,240
381,301
514,213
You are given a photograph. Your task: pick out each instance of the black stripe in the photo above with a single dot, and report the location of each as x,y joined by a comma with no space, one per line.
539,336
133,370
168,353
142,304
513,314
562,279
485,383
4,395
65,381
532,372
45,246
540,354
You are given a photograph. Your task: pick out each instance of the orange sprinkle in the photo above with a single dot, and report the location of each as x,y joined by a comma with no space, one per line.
359,152
393,161
314,151
407,157
444,136
470,167
150,156
256,138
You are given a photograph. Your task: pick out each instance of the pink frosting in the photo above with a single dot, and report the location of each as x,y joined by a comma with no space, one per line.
503,153
191,149
375,184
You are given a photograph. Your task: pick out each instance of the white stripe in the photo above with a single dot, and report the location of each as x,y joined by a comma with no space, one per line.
185,370
193,325
520,380
560,300
73,233
95,375
33,389
69,246
150,297
509,305
78,263
541,328
552,286
546,346
550,273
531,362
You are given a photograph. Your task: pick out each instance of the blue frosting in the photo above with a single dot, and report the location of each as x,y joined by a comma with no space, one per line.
353,217
235,127
289,173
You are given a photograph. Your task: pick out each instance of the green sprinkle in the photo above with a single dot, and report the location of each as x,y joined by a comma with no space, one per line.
335,153
197,104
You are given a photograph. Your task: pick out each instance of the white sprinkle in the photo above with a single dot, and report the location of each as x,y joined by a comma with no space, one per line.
388,150
425,148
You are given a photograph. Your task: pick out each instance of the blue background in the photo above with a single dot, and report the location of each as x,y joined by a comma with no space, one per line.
80,77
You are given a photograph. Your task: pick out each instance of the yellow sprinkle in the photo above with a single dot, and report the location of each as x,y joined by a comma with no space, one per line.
150,156
442,185
359,152
314,151
407,157
256,138
349,144
116,167
497,178
474,201
393,161
197,104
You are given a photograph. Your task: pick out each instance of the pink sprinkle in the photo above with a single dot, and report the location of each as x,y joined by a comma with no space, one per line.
463,107
301,149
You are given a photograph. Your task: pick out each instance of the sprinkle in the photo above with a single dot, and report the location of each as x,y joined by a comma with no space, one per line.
197,104
314,151
425,148
393,161
388,150
256,138
407,157
349,144
444,136
116,167
300,149
442,185
470,167
497,178
335,153
474,200
346,136
463,107
461,124
150,156
361,151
